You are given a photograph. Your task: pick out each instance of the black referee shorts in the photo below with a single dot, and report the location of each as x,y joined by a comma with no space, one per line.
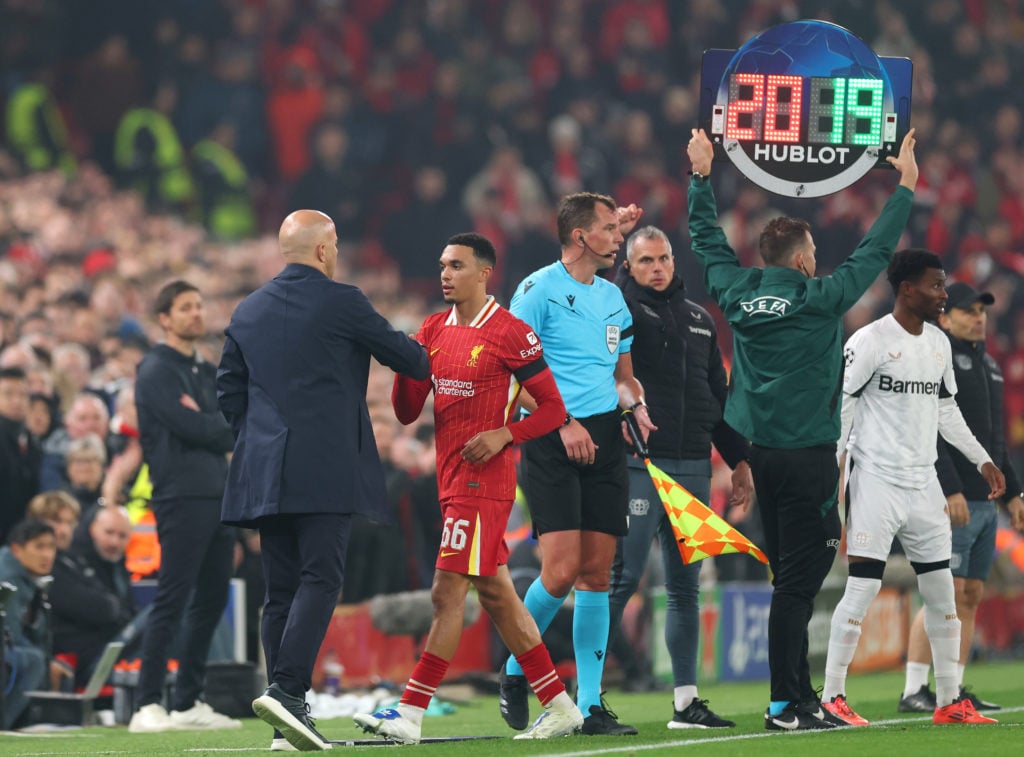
567,496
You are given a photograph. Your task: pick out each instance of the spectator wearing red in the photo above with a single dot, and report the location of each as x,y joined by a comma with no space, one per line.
653,14
414,66
343,46
294,105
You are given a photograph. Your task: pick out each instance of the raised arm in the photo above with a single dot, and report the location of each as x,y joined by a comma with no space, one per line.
717,258
906,162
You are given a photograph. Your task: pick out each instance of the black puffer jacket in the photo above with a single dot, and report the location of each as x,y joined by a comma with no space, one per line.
676,357
91,598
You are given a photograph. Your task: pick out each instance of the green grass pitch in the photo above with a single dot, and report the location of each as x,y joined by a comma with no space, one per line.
873,696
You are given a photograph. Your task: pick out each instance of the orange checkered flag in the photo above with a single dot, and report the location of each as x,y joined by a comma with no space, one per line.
698,530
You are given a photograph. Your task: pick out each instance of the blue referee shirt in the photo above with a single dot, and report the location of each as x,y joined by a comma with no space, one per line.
584,328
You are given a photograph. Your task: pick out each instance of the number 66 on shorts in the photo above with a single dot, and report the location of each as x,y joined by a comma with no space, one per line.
473,536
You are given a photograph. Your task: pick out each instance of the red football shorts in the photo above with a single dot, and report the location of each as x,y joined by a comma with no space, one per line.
473,536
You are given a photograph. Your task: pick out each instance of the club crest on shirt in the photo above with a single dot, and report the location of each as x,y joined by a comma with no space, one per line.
639,507
474,355
611,338
940,359
766,305
964,362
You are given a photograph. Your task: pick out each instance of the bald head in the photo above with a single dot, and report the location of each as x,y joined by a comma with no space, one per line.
309,237
110,531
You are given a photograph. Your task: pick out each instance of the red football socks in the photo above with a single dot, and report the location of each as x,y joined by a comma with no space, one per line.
540,673
425,679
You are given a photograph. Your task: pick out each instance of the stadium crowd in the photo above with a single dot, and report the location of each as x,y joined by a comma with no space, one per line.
144,144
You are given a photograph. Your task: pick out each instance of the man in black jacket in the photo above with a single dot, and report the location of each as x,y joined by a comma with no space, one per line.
979,396
676,358
91,591
20,456
185,440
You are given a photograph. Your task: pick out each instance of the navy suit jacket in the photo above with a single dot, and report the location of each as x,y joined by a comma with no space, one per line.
292,384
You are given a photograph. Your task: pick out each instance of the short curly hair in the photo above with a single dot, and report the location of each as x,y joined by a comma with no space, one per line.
482,248
910,265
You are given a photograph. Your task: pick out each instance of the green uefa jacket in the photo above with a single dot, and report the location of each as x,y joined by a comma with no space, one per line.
787,369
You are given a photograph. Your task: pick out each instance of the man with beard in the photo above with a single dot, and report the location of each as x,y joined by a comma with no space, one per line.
185,441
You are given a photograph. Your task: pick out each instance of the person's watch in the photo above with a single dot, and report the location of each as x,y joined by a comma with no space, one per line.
635,405
698,176
568,420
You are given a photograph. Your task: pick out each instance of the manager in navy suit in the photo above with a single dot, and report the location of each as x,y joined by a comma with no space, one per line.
292,384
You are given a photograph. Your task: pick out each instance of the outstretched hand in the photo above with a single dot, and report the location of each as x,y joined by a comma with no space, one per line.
701,152
906,162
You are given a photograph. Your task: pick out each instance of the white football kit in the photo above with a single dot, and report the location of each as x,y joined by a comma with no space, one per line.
898,394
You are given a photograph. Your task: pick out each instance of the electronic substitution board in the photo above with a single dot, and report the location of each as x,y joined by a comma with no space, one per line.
806,108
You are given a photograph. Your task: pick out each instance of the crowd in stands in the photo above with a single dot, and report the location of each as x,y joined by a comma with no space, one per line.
149,141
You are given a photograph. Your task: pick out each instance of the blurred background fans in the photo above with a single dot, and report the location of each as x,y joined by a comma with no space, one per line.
147,140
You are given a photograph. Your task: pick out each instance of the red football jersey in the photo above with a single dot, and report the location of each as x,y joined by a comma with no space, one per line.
474,374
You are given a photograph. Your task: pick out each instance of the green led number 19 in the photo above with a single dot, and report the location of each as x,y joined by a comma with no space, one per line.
845,111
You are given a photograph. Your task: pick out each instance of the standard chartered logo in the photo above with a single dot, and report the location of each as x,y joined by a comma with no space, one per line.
454,387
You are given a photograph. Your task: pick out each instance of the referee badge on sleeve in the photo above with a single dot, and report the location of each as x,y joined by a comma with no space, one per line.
611,338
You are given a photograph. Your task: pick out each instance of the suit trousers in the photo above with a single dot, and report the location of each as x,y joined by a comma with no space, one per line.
797,496
196,552
303,566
